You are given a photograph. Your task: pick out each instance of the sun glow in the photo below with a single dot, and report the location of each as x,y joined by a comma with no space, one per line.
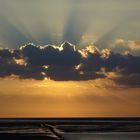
62,99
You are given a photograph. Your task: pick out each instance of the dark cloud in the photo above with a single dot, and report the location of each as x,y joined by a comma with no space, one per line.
126,68
5,53
51,55
92,62
70,73
65,63
9,67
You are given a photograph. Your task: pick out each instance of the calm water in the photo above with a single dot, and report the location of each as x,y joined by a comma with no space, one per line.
103,136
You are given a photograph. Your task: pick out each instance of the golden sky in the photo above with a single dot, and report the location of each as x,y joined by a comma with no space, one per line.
30,98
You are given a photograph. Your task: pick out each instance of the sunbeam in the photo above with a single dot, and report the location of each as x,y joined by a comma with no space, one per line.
49,22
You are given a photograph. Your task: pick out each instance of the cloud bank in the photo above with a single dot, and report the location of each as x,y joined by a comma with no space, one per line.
65,63
122,45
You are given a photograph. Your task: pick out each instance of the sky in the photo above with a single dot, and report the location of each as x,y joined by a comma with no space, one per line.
69,58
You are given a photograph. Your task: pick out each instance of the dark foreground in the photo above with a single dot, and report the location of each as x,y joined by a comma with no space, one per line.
24,137
71,129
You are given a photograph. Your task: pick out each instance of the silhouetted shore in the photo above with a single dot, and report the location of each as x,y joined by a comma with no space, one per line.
70,128
25,137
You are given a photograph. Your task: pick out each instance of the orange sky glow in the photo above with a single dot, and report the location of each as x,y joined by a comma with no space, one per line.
30,98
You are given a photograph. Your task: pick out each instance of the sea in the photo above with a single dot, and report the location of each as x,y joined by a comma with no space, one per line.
73,128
